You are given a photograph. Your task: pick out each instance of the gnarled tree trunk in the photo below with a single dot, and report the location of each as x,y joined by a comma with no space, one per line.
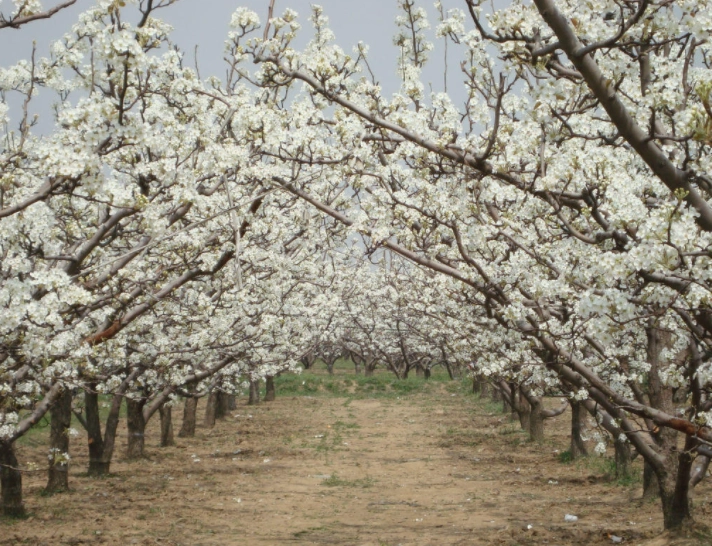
254,398
622,458
10,482
101,447
577,448
675,487
136,428
211,409
270,393
187,428
674,467
651,488
536,420
369,368
60,421
222,408
166,414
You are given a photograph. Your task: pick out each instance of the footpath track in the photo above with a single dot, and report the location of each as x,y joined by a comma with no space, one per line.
429,468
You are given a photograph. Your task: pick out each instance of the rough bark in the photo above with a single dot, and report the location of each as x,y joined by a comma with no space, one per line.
510,405
426,373
486,388
136,424
651,488
60,421
10,482
496,394
523,409
101,447
211,409
187,429
166,426
270,392
231,402
622,458
308,360
674,488
536,421
673,475
222,408
254,398
578,447
476,386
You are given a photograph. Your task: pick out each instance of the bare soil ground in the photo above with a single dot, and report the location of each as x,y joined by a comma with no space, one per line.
434,467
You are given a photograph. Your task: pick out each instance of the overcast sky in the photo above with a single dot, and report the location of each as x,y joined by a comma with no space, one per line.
205,23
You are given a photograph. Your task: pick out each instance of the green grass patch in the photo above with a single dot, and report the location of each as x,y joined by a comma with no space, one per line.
345,383
606,466
565,457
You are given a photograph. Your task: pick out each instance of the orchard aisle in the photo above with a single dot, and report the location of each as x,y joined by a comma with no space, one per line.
431,467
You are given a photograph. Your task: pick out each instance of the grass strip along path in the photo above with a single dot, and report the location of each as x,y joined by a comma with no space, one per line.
349,460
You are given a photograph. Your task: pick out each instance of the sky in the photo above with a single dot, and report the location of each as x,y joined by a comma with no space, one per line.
205,23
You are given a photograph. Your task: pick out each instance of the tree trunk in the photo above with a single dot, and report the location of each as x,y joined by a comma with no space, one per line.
524,411
330,367
357,367
97,467
308,360
187,428
536,421
136,428
231,402
222,408
509,404
496,395
485,389
254,393
418,371
270,393
674,488
660,398
101,449
622,458
651,488
476,386
61,420
10,482
166,426
426,373
211,409
578,448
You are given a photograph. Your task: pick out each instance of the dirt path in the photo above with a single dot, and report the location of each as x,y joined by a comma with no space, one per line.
434,469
